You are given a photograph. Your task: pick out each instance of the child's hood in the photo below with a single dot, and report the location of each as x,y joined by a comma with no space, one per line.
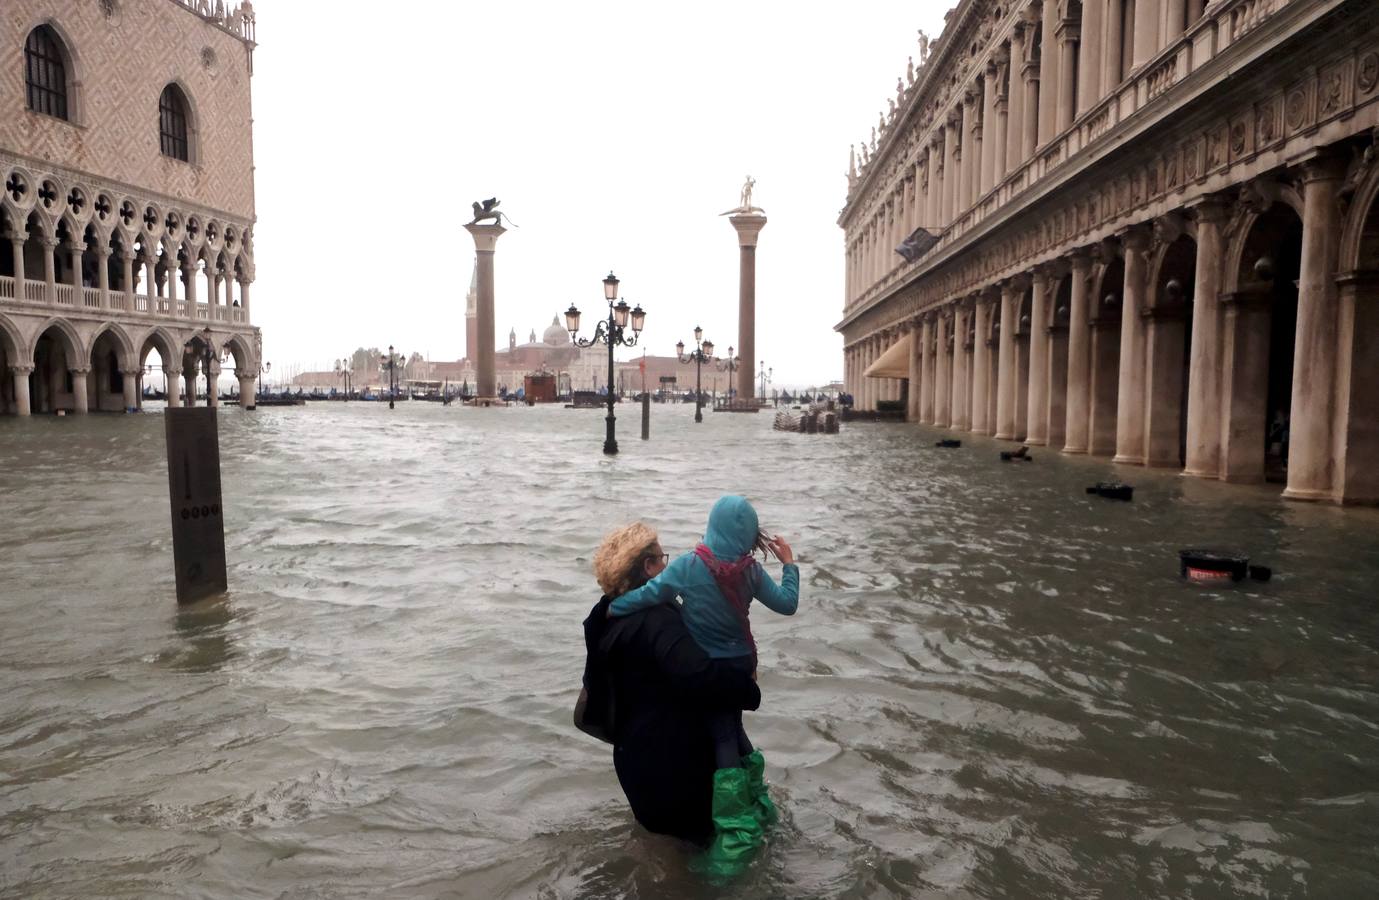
732,528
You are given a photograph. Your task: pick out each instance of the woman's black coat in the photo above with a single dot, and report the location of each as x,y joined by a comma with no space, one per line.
654,688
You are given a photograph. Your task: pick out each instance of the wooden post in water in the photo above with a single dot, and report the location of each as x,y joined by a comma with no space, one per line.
646,416
198,530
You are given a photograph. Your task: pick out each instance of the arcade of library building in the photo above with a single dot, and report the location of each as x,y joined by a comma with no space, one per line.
127,213
1157,237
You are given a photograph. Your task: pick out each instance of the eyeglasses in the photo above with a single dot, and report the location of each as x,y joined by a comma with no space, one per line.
662,558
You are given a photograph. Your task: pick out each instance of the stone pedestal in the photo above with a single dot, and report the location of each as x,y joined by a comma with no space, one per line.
485,242
747,226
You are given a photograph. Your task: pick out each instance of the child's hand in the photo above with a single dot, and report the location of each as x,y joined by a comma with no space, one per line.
781,549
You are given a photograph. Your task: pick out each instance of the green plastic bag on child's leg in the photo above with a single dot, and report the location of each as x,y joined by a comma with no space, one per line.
762,807
737,833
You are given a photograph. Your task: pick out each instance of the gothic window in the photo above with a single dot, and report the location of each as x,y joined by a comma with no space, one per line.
45,73
172,123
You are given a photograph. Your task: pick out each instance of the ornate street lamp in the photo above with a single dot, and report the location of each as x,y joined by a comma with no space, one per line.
728,365
205,356
344,368
702,353
765,379
611,333
391,366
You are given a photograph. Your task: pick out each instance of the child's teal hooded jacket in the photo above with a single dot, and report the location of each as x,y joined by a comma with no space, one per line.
709,615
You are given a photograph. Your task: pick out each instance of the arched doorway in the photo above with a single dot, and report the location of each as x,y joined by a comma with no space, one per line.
160,369
1167,351
1260,331
107,390
53,384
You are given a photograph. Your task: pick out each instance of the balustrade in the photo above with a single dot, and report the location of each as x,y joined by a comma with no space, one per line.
64,294
6,287
91,297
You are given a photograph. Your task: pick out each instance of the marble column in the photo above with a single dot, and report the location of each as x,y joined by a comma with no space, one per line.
189,384
972,149
103,273
981,367
172,387
131,390
1079,357
748,227
926,371
1007,375
1000,139
1205,357
950,170
1090,48
1015,100
1037,424
962,408
943,369
49,269
1022,345
189,282
1067,75
485,242
1056,409
1130,390
246,391
213,385
1049,75
1357,394
1314,349
1245,383
81,405
1147,14
127,279
930,218
987,175
1112,45
1029,130
16,239
912,395
1175,21
21,389
1103,384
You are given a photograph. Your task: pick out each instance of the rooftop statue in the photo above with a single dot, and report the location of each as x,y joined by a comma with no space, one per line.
923,47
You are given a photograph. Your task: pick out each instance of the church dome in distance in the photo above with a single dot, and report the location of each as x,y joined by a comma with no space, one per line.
556,335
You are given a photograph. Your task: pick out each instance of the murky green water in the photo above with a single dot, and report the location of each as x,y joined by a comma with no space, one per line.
996,686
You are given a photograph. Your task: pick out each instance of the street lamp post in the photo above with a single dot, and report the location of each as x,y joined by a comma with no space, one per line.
702,353
391,366
206,356
344,369
611,333
729,365
765,379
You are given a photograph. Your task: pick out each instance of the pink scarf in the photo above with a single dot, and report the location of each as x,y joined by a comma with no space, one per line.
731,579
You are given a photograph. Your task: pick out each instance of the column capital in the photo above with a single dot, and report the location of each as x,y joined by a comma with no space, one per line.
49,243
747,227
1212,209
485,236
1319,164
21,370
170,372
15,236
1135,238
80,370
1018,283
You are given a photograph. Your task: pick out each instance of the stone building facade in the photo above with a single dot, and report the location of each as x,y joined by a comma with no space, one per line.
127,213
1157,237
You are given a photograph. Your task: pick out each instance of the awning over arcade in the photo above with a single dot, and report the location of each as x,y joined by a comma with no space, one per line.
894,363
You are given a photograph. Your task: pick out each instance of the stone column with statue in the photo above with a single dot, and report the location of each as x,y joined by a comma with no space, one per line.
485,236
747,220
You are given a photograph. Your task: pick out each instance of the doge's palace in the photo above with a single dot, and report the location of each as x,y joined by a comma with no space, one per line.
127,213
1156,236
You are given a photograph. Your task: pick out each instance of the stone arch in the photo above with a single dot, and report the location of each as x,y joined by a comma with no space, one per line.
242,352
129,359
73,345
72,62
16,349
1359,248
160,339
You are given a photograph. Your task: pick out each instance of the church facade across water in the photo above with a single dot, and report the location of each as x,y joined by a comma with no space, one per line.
1156,237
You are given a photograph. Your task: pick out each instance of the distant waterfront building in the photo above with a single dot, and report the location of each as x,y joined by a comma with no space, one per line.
127,212
1157,236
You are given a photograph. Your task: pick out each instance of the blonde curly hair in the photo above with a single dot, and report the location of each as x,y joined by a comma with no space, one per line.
619,557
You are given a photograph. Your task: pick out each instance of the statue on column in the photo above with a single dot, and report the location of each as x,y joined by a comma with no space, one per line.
745,207
923,47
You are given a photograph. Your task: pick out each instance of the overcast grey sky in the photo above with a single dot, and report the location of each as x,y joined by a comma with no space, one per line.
613,133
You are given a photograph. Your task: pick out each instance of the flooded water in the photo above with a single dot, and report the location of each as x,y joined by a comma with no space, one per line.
996,686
